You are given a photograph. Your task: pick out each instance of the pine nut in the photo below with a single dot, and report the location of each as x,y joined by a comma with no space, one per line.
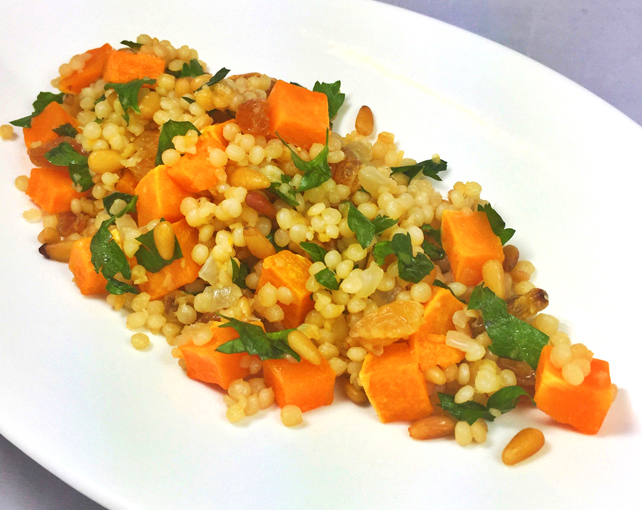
526,443
257,243
165,239
104,160
511,257
48,235
249,179
364,123
493,274
432,427
260,204
57,251
304,347
357,395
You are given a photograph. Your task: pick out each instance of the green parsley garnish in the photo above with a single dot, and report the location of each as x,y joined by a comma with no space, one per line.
66,130
148,256
130,203
439,283
128,94
220,74
435,251
327,278
130,44
430,168
503,400
170,129
497,223
65,155
317,253
106,256
253,340
270,238
364,229
334,95
411,268
239,273
41,102
192,69
315,172
512,338
286,193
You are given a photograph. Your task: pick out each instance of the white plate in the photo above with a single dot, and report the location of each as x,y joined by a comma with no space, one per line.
132,432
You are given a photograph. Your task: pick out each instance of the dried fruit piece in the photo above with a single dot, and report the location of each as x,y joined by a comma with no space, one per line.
529,304
386,325
252,117
347,170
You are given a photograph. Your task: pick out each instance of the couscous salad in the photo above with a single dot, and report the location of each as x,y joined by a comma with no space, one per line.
281,259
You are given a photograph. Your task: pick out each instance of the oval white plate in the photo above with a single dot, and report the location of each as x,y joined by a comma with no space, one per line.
131,431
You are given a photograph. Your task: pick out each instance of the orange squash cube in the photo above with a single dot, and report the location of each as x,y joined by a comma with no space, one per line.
302,384
43,125
469,242
205,363
159,197
298,115
583,407
395,385
88,281
52,189
287,269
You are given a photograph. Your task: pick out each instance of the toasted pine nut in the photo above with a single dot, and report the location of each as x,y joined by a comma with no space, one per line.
257,243
357,395
104,160
260,204
511,256
48,235
526,443
432,427
364,123
303,346
165,239
57,251
493,274
249,179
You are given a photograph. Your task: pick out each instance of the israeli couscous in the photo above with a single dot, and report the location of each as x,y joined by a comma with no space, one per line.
280,259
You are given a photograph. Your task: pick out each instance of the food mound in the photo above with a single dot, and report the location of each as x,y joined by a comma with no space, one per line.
280,259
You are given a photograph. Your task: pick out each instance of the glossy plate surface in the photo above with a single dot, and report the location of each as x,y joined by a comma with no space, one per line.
132,432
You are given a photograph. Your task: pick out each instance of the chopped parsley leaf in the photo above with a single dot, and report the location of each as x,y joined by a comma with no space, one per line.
253,340
170,129
42,101
148,256
317,253
503,400
315,172
65,155
334,95
66,130
327,278
430,168
497,223
511,337
128,94
130,44
411,268
239,273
